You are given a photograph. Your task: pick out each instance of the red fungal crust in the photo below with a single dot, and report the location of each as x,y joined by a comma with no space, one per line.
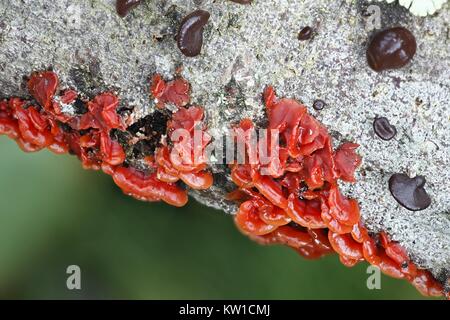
299,203
89,136
148,188
175,91
293,200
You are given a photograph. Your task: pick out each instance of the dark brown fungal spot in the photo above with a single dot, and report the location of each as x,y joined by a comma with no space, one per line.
319,105
409,192
80,106
190,33
123,7
391,49
384,129
305,34
144,136
242,1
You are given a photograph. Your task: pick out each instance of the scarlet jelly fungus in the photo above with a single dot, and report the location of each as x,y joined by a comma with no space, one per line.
184,161
298,202
175,91
347,161
294,199
42,87
148,187
89,136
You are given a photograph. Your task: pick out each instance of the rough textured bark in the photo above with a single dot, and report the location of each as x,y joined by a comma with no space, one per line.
247,47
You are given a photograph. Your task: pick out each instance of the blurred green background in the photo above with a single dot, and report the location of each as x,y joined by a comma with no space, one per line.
54,214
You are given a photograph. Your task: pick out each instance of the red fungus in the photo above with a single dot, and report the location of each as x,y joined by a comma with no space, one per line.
180,160
306,213
301,186
186,160
175,91
292,200
249,221
148,187
347,161
88,136
309,159
345,246
43,86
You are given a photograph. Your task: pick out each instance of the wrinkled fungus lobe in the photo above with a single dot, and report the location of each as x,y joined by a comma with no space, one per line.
299,203
294,199
89,136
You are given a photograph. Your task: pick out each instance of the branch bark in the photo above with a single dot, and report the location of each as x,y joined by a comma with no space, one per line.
246,48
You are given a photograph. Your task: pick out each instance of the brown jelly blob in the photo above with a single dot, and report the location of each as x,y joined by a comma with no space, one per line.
319,105
409,192
242,1
123,7
391,49
384,129
305,34
190,34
